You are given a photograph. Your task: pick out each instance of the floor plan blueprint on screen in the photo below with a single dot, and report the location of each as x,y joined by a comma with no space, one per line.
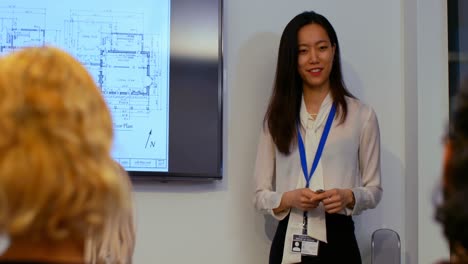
125,46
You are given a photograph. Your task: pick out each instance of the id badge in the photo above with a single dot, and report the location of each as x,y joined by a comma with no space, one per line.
305,245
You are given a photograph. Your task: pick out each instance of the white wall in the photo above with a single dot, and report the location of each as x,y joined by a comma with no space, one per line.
216,222
410,73
432,116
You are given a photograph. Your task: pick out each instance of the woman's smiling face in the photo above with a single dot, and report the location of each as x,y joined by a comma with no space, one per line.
315,56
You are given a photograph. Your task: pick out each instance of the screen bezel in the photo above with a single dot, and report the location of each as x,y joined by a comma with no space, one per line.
193,61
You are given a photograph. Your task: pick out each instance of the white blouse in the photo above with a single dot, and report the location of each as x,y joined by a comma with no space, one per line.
350,160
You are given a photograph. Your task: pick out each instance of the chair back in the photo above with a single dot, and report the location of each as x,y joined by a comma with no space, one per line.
385,247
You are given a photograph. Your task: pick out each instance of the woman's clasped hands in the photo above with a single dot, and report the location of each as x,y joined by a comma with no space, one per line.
305,199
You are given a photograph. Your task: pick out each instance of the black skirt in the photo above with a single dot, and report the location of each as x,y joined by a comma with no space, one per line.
342,246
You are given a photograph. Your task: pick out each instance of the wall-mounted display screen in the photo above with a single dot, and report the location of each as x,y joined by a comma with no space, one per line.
457,12
158,64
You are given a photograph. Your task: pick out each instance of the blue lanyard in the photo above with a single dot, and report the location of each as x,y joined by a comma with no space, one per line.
320,147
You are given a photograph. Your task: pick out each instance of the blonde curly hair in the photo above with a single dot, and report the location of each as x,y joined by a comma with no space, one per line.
57,177
115,245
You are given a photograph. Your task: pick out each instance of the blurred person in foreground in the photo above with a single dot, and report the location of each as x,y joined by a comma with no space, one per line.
453,212
59,185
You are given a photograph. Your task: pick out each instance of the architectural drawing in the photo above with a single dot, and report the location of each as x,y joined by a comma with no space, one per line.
128,64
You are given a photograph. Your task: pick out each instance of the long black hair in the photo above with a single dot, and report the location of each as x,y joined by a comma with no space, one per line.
285,103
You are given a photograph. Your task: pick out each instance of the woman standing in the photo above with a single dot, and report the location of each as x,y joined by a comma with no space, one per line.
318,159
